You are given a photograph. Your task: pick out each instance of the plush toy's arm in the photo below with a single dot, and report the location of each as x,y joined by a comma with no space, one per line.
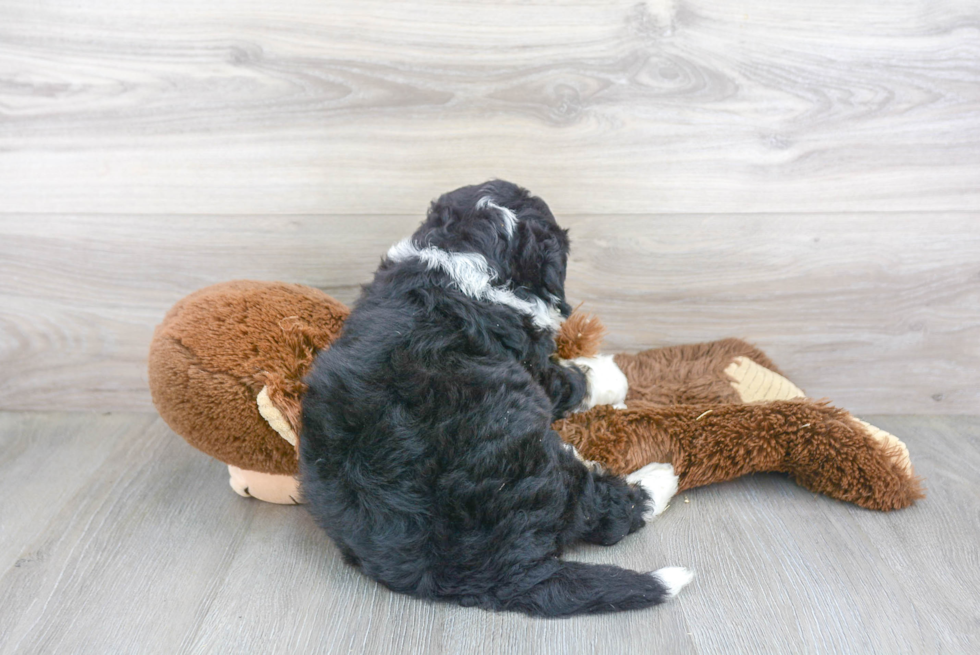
577,345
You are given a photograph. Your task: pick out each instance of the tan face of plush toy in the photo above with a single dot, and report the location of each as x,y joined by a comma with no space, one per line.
227,364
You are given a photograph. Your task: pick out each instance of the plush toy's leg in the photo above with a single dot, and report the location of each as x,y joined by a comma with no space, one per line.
900,453
823,448
755,383
279,489
720,371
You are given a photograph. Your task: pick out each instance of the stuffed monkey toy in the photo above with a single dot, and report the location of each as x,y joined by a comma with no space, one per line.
226,371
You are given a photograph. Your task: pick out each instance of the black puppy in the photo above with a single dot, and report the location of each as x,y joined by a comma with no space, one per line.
427,453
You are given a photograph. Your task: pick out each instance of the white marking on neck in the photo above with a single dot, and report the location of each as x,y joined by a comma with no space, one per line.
471,273
510,219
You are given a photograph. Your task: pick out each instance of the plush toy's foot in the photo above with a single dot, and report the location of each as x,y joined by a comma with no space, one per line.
660,482
753,382
895,449
853,461
607,384
279,489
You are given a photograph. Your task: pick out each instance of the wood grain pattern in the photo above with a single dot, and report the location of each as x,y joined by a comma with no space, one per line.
914,557
142,548
45,477
878,313
877,319
602,107
121,551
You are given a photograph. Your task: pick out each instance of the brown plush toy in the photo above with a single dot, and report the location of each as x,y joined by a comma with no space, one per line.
226,371
227,363
719,410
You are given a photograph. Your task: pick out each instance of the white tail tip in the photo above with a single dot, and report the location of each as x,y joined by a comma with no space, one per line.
674,578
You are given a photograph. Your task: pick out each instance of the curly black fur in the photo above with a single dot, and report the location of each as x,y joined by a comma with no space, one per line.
427,453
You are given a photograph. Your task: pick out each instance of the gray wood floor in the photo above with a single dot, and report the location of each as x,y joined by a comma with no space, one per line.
115,536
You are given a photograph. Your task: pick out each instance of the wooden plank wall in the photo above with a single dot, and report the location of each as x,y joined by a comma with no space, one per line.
802,174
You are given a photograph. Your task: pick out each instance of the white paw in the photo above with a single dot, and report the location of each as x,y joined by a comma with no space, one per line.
660,482
607,384
674,578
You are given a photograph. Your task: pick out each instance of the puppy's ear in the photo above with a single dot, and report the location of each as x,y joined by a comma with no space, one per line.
440,223
441,214
553,265
542,260
448,210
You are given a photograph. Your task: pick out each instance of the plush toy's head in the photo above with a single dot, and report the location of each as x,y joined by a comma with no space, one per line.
222,350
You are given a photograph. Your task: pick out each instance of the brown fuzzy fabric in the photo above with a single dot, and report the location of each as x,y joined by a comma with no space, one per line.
682,409
581,335
218,347
682,375
665,376
823,448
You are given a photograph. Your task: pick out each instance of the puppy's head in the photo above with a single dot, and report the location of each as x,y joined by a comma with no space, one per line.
515,231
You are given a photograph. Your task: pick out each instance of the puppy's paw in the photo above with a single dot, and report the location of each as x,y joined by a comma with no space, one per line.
607,384
674,578
660,482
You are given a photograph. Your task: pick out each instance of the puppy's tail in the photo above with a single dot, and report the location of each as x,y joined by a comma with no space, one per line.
579,588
